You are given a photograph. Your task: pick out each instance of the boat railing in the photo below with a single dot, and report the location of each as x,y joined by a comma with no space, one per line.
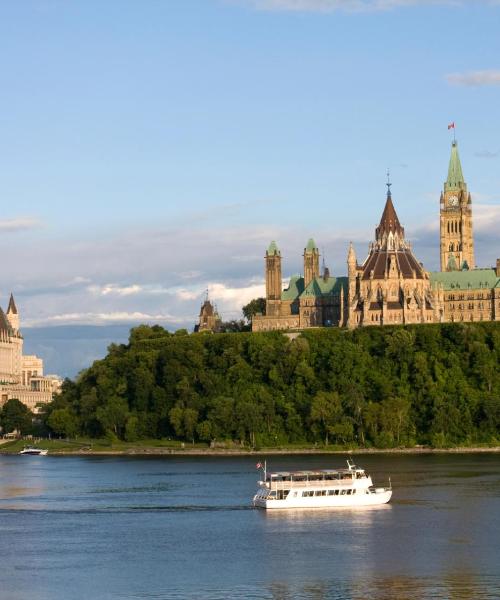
275,485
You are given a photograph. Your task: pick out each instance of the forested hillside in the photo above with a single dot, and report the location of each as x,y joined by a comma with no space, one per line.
380,386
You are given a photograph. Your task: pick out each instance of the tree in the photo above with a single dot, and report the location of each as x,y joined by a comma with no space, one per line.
190,420
113,415
254,307
16,416
64,422
325,411
233,326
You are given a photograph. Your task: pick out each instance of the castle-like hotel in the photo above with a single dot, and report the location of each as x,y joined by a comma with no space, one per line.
21,376
391,286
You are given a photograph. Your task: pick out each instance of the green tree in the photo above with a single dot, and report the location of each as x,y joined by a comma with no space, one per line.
16,416
257,306
63,422
326,410
113,415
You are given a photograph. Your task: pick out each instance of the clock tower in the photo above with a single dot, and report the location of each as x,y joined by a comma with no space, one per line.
456,241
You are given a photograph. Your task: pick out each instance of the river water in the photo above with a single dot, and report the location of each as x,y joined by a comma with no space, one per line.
183,527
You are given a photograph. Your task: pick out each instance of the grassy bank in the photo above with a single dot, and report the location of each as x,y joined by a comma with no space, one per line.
86,447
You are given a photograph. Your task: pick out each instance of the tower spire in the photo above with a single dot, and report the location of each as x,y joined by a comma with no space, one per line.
388,184
12,309
455,180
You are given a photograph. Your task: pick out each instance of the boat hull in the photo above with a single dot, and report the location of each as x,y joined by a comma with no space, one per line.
372,499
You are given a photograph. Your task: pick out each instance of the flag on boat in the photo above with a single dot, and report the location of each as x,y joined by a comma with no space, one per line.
258,465
451,125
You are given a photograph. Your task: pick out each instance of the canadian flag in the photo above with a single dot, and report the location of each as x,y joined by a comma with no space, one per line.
258,465
451,125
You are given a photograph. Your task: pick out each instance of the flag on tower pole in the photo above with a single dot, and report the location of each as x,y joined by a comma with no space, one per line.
452,126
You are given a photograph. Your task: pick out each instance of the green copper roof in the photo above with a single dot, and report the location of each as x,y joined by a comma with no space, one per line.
273,248
294,289
326,287
311,246
455,177
465,280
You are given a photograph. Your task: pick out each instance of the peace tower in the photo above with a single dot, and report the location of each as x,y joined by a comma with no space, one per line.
456,241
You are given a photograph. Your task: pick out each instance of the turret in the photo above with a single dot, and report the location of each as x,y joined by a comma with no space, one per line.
311,262
273,280
12,314
352,266
352,262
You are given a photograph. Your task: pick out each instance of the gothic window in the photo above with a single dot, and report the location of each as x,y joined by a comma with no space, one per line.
448,227
452,247
460,227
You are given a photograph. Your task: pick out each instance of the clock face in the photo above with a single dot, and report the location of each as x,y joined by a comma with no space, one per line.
452,201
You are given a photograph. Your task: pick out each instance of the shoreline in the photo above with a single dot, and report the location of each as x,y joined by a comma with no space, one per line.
224,452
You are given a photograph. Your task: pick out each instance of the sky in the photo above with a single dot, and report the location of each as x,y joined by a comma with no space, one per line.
152,149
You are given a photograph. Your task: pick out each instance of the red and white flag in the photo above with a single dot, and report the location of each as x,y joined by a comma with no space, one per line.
258,465
451,125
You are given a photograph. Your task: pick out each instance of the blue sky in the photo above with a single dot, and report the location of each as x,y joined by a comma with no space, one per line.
149,149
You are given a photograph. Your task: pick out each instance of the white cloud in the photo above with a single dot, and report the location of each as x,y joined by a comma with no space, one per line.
475,78
230,299
487,219
187,294
19,224
114,289
329,6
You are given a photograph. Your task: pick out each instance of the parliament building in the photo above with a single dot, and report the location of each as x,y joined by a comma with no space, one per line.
391,286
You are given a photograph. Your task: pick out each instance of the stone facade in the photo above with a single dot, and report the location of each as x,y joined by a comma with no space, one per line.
391,286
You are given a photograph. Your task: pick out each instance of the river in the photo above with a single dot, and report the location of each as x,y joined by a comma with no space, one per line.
183,527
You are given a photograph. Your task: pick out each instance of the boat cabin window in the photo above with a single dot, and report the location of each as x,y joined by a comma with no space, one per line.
360,475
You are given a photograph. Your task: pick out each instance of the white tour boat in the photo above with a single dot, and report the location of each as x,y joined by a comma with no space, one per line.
32,451
326,488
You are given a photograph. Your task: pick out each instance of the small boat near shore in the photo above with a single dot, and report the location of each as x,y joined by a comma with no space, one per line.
33,451
348,487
